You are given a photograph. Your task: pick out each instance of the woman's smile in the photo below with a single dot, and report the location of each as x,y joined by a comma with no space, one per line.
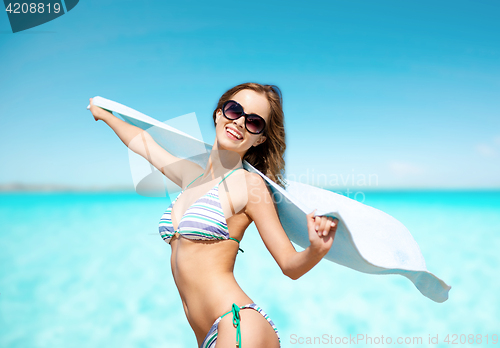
233,134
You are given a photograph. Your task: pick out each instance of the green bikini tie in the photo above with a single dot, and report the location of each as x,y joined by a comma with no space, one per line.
236,322
239,249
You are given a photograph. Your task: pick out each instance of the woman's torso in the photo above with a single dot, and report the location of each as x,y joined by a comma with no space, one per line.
203,269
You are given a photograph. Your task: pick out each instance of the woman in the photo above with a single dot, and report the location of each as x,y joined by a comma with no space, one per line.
211,215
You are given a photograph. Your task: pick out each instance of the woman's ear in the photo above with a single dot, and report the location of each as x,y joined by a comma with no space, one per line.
260,141
218,114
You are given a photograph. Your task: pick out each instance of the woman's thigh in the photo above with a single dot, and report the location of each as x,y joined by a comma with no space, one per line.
256,332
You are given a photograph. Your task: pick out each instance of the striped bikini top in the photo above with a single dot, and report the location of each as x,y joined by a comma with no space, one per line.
204,220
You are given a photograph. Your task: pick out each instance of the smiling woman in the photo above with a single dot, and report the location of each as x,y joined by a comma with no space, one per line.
207,221
268,157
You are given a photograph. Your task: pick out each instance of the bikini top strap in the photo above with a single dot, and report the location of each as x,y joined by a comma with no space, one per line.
239,249
219,182
193,180
229,174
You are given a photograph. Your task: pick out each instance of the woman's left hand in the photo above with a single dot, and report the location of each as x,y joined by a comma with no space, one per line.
321,231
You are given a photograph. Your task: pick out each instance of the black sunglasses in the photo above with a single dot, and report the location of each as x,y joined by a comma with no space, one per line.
253,123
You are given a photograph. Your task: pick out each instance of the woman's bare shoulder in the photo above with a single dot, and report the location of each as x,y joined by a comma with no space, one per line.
257,188
253,178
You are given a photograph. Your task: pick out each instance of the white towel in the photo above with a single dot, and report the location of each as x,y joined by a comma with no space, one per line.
367,239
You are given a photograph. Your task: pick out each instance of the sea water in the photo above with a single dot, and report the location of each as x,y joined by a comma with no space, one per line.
91,270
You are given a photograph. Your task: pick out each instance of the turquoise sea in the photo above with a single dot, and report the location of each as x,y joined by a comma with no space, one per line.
90,270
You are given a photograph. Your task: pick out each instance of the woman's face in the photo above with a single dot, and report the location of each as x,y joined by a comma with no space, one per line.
252,103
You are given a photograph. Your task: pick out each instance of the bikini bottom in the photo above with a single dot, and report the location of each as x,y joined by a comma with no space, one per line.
211,338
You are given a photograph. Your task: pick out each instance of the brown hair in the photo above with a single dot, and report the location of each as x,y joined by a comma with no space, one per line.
267,157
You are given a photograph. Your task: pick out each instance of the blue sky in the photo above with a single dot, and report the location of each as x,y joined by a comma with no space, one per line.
406,92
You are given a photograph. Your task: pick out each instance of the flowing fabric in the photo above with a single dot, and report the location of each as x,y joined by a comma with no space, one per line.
367,239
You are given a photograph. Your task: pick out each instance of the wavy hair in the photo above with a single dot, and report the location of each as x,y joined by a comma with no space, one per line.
267,157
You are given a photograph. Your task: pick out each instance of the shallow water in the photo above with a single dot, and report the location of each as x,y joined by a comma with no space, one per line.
90,269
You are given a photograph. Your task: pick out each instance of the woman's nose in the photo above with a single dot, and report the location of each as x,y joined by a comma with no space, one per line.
240,122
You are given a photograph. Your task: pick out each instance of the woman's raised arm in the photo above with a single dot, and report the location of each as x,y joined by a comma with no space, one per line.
141,142
261,209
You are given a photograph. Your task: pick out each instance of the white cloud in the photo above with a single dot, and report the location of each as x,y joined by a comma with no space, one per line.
486,150
496,140
405,168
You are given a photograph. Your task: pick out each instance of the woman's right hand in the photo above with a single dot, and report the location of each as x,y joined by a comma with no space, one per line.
322,231
97,112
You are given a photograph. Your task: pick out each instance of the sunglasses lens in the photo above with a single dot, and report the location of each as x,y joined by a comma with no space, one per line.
255,124
233,110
